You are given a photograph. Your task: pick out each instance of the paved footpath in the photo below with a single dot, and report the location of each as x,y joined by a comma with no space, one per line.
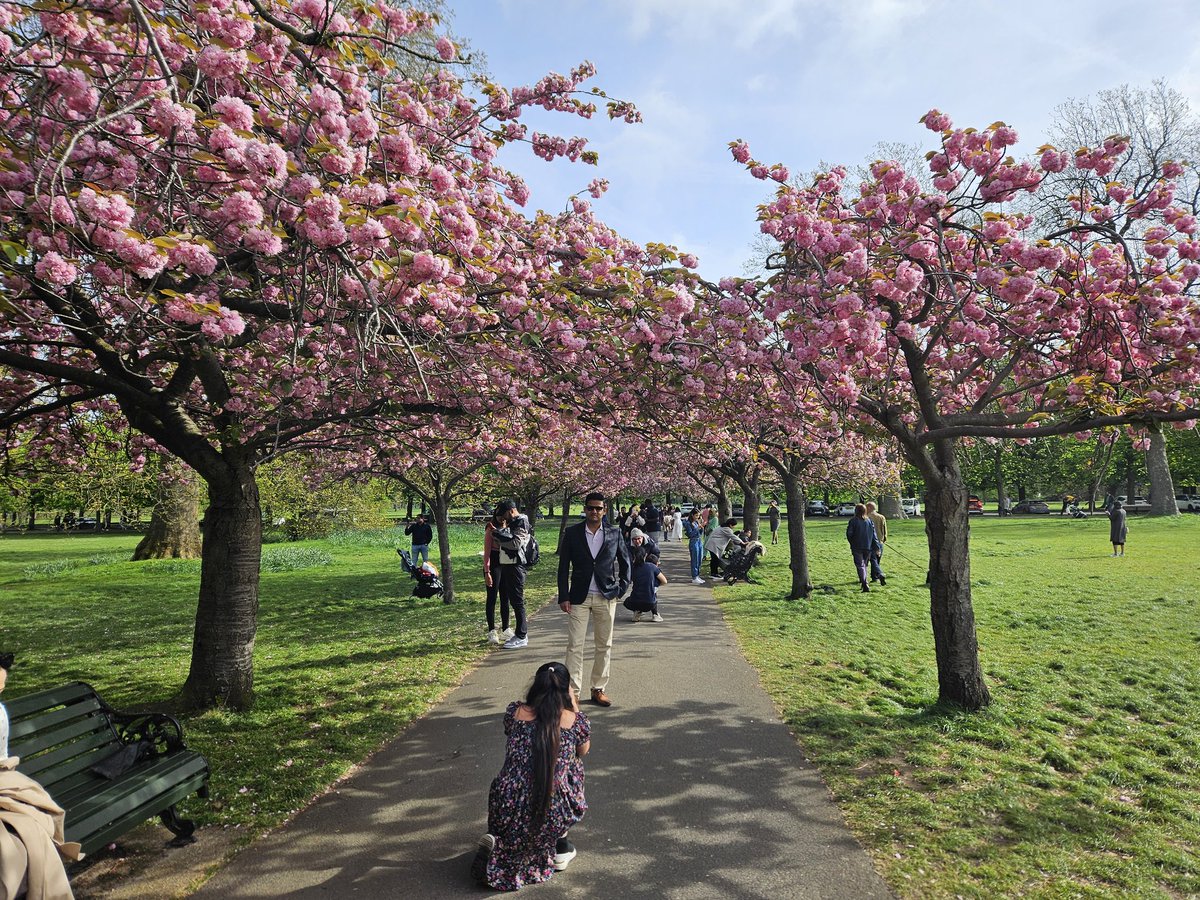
696,788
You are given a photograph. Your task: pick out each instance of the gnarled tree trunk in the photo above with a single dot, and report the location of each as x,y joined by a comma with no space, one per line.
947,525
1162,488
441,518
174,531
566,517
788,468
222,668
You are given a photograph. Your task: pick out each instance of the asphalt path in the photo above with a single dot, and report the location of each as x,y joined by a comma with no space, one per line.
696,788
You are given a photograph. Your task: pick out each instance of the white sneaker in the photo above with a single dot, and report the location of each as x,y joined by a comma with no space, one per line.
562,860
636,617
493,637
698,580
516,643
506,634
657,618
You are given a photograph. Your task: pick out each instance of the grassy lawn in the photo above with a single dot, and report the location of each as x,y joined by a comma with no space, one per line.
1083,777
344,657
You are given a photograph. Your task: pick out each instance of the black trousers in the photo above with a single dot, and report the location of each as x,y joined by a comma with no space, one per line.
512,592
492,594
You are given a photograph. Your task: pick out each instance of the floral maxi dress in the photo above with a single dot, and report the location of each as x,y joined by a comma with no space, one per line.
516,859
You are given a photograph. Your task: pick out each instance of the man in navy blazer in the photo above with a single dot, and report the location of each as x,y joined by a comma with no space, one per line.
593,574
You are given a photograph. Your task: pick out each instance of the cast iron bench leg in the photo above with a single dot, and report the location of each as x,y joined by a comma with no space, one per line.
182,828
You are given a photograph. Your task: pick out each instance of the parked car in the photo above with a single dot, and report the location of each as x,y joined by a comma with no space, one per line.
686,508
846,509
974,506
84,523
816,508
1187,503
911,506
1034,507
738,512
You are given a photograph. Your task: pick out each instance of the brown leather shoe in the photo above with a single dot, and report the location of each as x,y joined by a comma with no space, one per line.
600,698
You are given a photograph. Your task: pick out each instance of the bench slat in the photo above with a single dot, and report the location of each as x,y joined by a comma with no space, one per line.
61,738
30,725
142,791
64,695
53,769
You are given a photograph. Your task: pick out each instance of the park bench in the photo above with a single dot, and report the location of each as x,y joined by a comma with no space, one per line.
60,734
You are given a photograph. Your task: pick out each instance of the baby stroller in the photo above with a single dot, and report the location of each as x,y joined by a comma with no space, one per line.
742,561
428,582
1075,512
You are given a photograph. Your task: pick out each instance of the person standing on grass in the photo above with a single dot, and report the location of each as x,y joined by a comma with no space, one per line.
880,523
773,520
593,574
422,537
512,535
718,542
864,544
491,577
1117,527
538,795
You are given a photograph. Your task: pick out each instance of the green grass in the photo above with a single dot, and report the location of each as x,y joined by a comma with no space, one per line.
1081,780
344,657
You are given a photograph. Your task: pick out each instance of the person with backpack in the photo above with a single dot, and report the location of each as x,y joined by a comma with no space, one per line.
513,535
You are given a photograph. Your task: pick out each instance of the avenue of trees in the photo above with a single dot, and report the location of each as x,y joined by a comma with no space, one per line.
236,233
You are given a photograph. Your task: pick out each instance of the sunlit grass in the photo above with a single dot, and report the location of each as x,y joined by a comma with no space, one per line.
1081,780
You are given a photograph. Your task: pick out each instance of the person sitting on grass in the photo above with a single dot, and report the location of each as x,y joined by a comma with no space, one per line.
538,794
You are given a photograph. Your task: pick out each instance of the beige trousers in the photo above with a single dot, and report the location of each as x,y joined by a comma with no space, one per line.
601,612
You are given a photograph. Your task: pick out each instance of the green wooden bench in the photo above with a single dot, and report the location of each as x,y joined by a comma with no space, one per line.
61,733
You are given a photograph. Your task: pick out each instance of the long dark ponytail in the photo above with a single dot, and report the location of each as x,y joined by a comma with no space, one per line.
548,696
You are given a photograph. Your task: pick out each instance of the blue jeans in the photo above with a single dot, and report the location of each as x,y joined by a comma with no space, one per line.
696,548
421,550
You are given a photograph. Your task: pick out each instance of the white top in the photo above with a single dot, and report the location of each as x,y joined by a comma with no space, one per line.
595,541
3,732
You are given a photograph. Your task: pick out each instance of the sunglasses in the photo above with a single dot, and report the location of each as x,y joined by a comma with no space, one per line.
594,508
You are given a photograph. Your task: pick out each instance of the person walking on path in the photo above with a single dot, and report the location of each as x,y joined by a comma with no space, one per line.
695,535
422,537
538,794
593,574
654,521
880,523
773,520
1118,528
512,535
676,525
860,532
718,542
646,578
491,577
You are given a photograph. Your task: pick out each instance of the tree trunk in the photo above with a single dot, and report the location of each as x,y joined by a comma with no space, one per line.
1162,489
960,679
566,518
441,518
797,538
724,506
1000,494
222,669
174,531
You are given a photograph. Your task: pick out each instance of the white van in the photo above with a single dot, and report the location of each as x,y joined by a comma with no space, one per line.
911,506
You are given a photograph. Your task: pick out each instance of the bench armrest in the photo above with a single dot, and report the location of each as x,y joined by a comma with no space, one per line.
161,731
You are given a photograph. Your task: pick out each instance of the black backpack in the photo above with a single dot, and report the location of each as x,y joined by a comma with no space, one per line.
532,552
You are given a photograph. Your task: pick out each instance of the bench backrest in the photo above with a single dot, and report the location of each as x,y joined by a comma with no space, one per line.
59,734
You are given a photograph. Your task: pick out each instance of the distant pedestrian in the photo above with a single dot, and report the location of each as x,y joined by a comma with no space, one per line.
773,520
422,537
538,794
512,535
646,579
676,525
864,544
880,523
695,535
654,523
1117,527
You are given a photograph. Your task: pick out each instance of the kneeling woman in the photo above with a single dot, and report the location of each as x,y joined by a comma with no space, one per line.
538,794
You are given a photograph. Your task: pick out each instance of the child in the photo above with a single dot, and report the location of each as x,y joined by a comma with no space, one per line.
538,794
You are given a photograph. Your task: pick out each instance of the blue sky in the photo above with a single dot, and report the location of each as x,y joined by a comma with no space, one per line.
803,82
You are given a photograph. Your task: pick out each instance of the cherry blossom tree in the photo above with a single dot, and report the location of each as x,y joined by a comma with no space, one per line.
948,314
240,222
